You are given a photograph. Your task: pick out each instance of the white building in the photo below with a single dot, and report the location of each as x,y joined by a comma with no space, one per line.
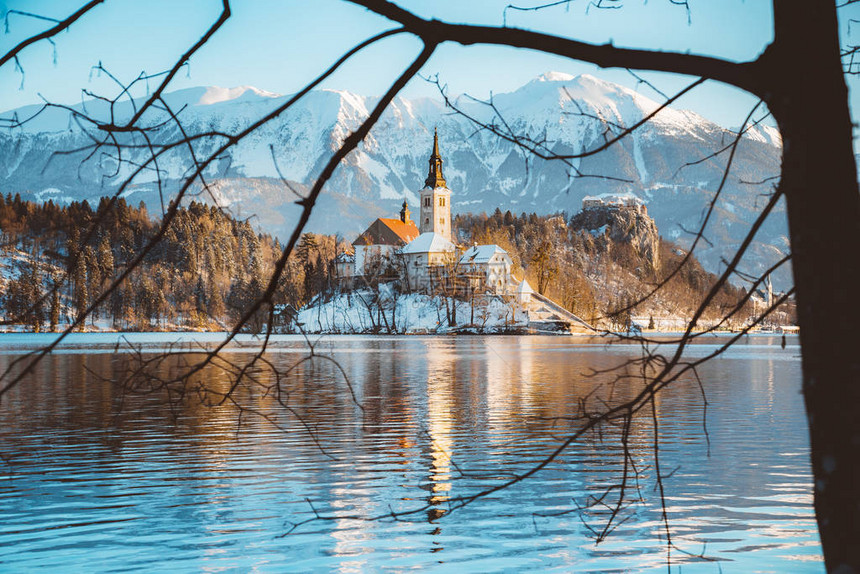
427,259
344,268
435,197
524,293
487,266
376,246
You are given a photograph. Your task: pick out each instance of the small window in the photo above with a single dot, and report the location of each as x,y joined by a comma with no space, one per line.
441,202
441,221
426,220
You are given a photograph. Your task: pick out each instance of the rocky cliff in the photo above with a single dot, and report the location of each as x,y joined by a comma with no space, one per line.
621,225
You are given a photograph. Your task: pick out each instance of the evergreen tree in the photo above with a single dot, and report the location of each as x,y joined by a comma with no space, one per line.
105,262
55,304
81,295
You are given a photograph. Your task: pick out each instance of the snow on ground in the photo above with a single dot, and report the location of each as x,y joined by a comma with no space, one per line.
599,232
362,312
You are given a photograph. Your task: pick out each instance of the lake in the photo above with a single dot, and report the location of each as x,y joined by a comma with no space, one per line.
292,473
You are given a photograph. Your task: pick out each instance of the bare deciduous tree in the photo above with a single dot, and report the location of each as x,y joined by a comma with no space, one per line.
799,77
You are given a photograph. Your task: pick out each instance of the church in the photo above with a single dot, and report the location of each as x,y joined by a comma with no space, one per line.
436,197
425,256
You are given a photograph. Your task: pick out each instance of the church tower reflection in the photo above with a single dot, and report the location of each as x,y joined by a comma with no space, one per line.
441,386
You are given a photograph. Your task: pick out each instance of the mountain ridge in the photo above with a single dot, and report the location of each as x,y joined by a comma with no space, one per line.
565,114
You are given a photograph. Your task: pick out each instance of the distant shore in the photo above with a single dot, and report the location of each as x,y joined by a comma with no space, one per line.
461,332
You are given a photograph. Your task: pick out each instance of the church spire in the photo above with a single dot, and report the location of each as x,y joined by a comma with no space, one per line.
404,212
434,176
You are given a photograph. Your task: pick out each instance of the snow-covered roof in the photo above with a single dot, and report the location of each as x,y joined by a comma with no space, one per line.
428,242
481,254
525,288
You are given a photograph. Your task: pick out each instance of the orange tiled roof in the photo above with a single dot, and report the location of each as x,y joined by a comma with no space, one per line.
405,231
385,231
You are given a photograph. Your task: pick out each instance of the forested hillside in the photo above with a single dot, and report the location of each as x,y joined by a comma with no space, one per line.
659,162
209,267
600,262
206,270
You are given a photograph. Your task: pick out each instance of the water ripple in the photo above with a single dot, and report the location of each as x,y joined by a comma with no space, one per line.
92,482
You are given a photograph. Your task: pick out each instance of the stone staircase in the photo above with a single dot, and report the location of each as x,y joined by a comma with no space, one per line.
544,312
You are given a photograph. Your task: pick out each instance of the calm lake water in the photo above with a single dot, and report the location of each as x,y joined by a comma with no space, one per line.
98,479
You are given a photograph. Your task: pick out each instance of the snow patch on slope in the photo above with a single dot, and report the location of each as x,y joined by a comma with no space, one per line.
555,77
217,94
765,134
637,157
379,173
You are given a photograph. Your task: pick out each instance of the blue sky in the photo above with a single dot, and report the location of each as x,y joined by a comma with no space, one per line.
280,45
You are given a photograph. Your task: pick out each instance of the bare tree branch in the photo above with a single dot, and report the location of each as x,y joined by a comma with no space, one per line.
13,53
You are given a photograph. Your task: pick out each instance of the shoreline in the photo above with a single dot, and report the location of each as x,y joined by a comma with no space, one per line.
114,335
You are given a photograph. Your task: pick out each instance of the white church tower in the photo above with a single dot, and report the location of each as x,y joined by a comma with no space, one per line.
435,197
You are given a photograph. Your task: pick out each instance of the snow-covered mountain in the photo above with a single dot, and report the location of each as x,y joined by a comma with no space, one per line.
565,114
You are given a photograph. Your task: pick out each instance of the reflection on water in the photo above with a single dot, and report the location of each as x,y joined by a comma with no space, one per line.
93,479
441,384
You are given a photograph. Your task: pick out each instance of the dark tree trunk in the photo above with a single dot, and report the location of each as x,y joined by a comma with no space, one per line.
800,77
805,90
